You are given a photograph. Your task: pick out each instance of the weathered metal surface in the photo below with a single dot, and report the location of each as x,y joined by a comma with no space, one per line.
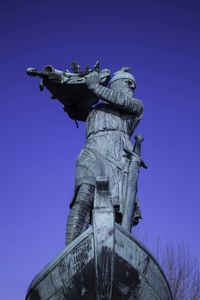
153,283
125,279
69,88
110,125
71,275
104,262
63,274
103,224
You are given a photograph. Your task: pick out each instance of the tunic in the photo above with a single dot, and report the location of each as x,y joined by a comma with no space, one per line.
109,127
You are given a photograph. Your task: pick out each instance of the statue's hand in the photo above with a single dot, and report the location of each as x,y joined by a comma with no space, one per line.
92,79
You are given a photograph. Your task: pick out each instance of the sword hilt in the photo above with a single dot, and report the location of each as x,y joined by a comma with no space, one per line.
137,148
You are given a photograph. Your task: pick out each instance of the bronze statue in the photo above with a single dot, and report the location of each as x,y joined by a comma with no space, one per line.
111,115
102,261
108,149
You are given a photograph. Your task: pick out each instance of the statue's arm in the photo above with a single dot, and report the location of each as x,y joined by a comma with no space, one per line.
119,99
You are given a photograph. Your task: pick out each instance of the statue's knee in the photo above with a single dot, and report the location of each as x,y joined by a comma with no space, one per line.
85,195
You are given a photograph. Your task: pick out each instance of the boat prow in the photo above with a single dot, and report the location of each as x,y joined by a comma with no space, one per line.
104,263
72,274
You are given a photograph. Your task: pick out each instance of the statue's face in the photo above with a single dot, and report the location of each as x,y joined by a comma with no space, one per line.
127,85
130,83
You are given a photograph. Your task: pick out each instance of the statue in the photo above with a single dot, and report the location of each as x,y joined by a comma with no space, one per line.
108,149
109,124
102,261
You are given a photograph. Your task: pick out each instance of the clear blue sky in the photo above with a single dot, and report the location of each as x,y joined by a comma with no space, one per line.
39,143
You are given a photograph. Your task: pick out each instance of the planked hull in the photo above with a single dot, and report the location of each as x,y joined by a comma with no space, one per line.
72,274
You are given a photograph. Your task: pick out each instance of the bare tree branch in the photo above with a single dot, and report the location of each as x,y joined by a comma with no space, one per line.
181,269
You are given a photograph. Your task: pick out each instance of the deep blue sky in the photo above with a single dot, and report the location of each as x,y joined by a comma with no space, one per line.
39,143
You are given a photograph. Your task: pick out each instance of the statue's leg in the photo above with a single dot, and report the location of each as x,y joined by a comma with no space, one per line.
79,216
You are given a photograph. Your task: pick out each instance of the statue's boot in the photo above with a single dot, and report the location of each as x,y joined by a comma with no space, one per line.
80,213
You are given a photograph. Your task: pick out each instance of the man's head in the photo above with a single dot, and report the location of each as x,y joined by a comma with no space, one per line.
123,79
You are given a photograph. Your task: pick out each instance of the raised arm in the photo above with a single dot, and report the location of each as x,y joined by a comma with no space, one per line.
119,98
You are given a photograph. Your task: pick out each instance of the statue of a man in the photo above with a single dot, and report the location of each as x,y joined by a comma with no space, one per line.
110,125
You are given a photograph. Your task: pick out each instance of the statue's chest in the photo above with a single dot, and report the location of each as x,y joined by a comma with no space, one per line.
108,117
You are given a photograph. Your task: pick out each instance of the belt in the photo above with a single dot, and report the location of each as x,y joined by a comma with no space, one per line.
107,131
122,164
